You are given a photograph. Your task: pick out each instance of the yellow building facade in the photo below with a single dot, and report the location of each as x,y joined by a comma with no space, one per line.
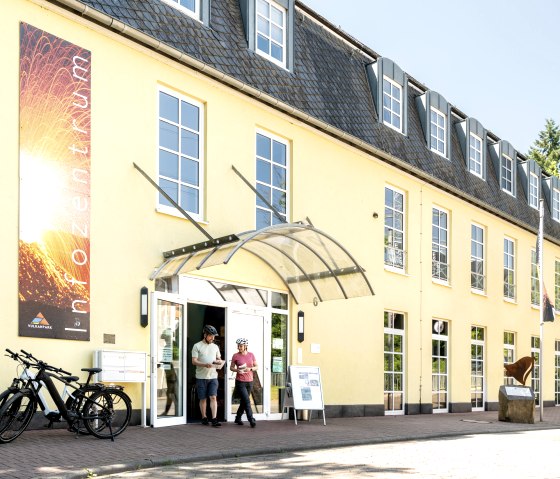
433,337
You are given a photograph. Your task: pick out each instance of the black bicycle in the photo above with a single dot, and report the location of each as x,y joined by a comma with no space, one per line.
97,409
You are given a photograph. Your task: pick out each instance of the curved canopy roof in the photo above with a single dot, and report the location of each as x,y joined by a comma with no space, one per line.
310,263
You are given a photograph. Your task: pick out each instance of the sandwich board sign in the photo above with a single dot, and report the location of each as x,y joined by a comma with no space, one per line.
304,391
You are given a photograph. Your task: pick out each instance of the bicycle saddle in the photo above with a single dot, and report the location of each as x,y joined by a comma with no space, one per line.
92,370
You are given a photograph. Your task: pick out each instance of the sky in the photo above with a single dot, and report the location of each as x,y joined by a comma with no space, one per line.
495,60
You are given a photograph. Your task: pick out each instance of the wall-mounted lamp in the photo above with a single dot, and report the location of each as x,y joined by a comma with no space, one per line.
300,326
144,306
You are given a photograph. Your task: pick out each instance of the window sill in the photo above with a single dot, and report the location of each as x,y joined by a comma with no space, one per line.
479,292
174,212
440,282
535,307
510,300
391,269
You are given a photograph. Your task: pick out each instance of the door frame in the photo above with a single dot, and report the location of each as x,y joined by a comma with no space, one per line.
161,421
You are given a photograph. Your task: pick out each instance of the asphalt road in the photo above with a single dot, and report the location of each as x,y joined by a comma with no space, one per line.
519,455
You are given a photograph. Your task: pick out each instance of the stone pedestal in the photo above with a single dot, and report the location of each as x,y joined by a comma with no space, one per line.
517,404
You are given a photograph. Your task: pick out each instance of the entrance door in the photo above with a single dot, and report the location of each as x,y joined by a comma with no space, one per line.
249,324
167,363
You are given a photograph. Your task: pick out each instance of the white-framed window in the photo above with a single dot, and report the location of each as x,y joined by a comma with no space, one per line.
506,175
555,204
535,284
440,245
509,354
533,191
475,155
437,131
272,178
394,240
509,268
557,373
477,368
557,285
392,104
478,269
181,152
190,7
271,31
394,363
440,365
536,375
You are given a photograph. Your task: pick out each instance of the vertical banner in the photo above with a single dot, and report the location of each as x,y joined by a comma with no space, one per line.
54,202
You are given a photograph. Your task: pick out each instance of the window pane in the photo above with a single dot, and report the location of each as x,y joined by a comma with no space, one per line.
168,136
263,146
168,107
189,171
189,198
266,192
189,143
263,218
189,116
279,153
279,177
263,171
171,189
168,164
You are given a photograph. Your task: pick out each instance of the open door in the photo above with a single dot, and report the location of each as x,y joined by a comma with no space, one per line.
167,360
249,324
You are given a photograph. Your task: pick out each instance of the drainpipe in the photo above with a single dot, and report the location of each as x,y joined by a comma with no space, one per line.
421,313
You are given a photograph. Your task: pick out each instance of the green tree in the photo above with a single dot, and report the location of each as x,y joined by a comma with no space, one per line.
546,150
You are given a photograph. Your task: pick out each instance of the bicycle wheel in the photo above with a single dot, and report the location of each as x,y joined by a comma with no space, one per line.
107,413
15,415
74,404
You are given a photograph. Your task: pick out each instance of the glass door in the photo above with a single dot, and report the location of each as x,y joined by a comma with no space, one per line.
167,360
249,324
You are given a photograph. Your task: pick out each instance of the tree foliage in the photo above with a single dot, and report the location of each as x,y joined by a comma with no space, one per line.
546,149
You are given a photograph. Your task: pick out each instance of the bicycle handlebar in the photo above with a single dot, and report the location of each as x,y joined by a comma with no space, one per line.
37,363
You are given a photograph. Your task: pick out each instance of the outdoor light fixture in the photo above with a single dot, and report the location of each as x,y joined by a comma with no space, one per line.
144,307
300,327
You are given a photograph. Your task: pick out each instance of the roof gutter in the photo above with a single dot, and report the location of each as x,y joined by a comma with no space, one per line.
160,47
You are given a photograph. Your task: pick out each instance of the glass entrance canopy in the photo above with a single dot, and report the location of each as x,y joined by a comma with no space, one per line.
312,265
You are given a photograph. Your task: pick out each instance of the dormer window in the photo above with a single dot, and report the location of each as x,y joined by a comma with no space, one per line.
435,114
533,191
388,85
437,131
199,9
506,174
475,155
556,204
472,138
392,104
271,31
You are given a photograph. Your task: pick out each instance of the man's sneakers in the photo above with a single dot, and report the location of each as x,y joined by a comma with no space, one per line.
204,421
216,423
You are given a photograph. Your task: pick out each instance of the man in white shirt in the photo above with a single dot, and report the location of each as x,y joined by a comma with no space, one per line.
206,357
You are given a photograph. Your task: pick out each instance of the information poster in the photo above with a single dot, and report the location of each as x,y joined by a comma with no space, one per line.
307,390
54,202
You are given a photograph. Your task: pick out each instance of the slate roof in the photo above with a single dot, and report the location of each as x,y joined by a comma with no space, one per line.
328,82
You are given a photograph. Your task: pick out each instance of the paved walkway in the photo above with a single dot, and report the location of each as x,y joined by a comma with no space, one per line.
61,455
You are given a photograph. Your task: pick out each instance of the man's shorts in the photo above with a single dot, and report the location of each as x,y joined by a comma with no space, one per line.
206,388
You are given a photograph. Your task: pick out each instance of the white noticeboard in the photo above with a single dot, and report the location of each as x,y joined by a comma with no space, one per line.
305,391
123,367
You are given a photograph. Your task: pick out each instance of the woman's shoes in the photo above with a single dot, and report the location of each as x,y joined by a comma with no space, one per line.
252,422
238,421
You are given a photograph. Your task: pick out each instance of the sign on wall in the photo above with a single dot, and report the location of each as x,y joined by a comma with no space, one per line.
54,204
